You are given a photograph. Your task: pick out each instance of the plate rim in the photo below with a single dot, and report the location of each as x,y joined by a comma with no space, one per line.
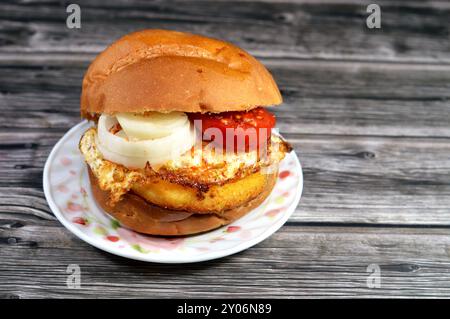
150,258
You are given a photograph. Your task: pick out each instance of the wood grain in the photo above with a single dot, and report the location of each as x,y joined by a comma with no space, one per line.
347,179
411,31
367,111
296,262
320,97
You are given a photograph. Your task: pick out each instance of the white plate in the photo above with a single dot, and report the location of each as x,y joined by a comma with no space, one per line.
67,189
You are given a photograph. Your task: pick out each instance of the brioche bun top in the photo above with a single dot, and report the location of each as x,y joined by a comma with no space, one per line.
165,71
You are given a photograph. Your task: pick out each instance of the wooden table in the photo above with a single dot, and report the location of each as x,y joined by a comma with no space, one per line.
367,110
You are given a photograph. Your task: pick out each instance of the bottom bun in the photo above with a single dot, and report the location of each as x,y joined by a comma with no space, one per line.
139,215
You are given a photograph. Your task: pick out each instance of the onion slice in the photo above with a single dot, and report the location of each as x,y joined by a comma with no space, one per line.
136,154
151,125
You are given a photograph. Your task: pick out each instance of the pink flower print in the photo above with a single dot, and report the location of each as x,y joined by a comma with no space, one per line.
80,220
284,174
272,212
113,238
66,161
147,242
74,207
62,188
232,229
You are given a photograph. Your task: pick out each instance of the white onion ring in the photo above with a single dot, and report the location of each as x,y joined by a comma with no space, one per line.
152,126
135,154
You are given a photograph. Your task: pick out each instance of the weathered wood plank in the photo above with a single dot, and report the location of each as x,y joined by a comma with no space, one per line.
338,123
295,262
348,179
411,31
373,137
374,180
320,97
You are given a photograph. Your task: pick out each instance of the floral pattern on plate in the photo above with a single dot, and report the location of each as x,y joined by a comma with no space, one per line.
67,189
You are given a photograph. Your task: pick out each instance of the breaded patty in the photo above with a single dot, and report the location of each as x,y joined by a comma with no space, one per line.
218,197
214,183
138,214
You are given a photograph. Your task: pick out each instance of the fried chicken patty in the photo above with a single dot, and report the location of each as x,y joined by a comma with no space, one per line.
218,197
215,183
140,215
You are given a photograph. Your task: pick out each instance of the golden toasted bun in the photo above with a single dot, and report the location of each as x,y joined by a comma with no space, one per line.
139,215
165,71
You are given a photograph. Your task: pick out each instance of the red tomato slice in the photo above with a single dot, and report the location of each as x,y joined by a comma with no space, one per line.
241,131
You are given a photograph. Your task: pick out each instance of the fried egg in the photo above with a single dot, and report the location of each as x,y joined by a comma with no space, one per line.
199,169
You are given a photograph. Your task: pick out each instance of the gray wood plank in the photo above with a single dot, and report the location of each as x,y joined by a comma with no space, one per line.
295,262
411,31
373,137
320,97
366,110
347,179
374,180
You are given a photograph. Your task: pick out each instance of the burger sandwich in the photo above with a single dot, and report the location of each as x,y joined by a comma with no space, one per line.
182,141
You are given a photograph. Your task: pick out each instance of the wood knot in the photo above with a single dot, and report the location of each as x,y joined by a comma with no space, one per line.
10,224
285,17
365,154
16,241
11,240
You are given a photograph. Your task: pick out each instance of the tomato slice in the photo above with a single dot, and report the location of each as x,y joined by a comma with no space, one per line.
240,131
